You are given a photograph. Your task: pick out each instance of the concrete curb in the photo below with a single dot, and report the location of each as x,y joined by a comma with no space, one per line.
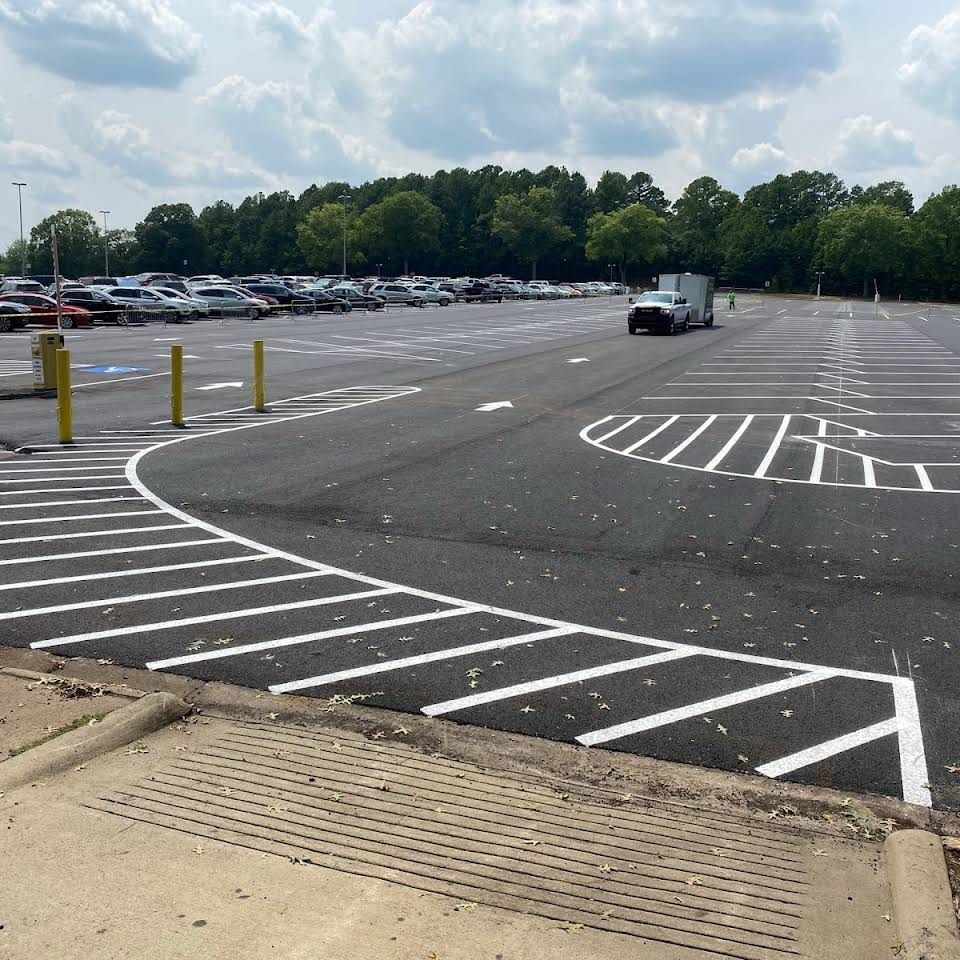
922,900
122,726
116,690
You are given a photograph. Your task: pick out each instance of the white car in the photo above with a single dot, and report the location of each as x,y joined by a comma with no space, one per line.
431,294
547,291
149,304
195,308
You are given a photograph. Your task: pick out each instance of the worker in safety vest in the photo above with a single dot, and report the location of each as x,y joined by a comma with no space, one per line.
731,301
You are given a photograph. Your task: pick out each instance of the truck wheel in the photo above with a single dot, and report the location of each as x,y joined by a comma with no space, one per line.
673,328
686,323
632,329
708,323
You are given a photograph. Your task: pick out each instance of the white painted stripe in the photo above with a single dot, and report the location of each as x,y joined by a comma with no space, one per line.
88,516
677,450
869,477
548,683
25,493
311,637
210,618
818,454
663,426
773,448
60,468
91,533
923,477
160,595
913,761
97,383
108,553
697,709
62,503
418,659
104,476
143,571
830,748
630,421
66,459
731,443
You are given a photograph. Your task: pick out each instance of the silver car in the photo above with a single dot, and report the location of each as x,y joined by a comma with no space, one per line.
147,304
229,302
432,294
194,306
397,293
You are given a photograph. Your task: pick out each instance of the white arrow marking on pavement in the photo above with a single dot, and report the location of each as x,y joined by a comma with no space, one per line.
496,405
166,356
579,360
220,386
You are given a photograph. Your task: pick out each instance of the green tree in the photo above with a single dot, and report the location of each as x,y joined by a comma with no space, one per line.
631,235
529,224
170,240
320,237
695,227
11,261
611,192
861,243
890,193
79,246
749,247
403,226
642,189
936,227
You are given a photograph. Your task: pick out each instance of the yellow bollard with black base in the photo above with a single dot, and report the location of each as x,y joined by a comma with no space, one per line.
64,400
176,385
259,397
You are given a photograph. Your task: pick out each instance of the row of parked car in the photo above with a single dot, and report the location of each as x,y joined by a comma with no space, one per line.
170,298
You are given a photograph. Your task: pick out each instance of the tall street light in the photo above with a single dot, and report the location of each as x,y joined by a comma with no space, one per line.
344,197
23,251
106,246
820,274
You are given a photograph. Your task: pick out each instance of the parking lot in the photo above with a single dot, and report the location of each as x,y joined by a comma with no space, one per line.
731,547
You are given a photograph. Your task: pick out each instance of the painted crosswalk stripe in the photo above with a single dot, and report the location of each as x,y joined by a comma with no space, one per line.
630,421
92,533
210,618
653,433
105,476
680,447
414,661
176,545
80,516
655,720
731,443
773,448
158,595
48,490
282,642
829,748
36,504
548,683
142,571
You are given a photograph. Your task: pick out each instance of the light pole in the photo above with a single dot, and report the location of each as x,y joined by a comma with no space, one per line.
819,275
23,251
611,266
344,197
379,265
106,246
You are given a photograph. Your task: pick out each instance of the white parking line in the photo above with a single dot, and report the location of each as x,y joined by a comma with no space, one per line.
620,730
548,683
90,533
773,448
653,433
680,447
81,555
731,443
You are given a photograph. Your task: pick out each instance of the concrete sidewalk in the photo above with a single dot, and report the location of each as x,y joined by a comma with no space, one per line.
279,827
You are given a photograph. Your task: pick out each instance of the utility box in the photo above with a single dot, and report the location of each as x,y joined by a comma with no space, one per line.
697,289
43,352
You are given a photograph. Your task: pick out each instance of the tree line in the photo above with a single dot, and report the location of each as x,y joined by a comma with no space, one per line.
551,223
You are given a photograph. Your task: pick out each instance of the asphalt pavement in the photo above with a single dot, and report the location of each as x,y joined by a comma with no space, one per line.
734,547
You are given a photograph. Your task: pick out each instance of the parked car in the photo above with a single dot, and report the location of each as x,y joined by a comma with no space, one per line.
98,281
356,297
547,292
205,280
13,316
194,308
431,294
480,292
397,293
148,305
105,308
282,296
326,302
43,309
21,285
180,285
229,302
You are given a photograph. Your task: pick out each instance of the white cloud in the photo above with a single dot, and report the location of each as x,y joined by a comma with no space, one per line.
114,139
140,43
278,21
931,69
761,157
20,157
865,145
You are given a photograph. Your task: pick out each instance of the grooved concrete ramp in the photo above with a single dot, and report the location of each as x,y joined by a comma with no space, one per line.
686,882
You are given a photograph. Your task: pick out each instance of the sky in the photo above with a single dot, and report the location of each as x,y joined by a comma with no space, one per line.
124,104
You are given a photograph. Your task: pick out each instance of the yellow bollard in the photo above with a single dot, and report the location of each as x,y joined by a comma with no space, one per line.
259,401
176,385
64,400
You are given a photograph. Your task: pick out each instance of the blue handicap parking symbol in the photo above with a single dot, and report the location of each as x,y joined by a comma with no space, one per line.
111,369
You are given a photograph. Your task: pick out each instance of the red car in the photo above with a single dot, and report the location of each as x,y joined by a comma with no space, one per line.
43,310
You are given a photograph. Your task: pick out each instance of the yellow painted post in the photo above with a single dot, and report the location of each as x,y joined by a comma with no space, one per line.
176,384
64,400
259,401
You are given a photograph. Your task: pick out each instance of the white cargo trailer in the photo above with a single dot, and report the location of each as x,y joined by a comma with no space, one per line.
696,289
